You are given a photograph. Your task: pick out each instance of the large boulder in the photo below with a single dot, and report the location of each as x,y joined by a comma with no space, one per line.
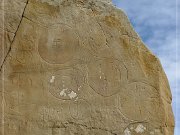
77,67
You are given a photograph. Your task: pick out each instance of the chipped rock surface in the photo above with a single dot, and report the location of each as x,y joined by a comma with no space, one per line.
77,67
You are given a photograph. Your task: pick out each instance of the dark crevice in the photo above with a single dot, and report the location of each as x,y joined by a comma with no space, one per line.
13,37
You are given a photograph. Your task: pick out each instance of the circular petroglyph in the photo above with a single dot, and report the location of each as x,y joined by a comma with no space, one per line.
58,45
107,76
137,128
93,36
65,84
96,36
80,109
139,101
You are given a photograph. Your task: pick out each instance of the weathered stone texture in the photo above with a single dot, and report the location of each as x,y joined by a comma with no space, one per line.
77,67
10,17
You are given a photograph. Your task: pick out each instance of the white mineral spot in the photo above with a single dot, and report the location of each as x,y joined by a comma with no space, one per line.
140,128
52,79
127,132
72,95
100,77
104,75
76,99
79,88
63,92
131,128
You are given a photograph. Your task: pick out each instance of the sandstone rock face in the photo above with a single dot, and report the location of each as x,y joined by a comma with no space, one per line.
10,17
77,67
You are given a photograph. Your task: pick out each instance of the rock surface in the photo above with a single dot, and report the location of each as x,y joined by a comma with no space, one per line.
77,67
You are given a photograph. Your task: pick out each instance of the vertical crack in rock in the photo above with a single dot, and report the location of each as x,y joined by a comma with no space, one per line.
9,50
77,67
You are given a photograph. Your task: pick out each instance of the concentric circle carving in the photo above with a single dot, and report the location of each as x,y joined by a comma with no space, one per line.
141,128
65,84
58,45
97,38
107,76
139,101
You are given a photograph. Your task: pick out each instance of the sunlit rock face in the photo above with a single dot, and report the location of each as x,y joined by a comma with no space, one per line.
78,68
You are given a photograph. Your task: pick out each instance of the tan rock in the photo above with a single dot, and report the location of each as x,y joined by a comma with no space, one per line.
10,17
78,68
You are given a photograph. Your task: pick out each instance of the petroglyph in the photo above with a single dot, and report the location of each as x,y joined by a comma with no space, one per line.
58,45
77,67
141,96
64,84
107,76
